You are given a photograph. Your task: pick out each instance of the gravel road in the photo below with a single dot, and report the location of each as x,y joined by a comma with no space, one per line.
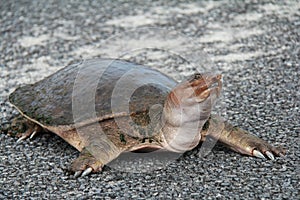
254,44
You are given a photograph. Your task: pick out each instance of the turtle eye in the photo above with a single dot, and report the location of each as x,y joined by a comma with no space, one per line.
194,77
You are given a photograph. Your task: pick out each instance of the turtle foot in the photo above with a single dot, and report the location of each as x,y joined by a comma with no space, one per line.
85,164
261,149
269,154
83,173
31,132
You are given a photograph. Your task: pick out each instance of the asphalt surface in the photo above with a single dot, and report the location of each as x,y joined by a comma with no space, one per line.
254,45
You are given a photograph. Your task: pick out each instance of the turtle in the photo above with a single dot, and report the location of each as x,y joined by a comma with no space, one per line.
135,107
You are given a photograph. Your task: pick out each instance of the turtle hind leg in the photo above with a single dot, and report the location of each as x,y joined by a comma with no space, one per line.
23,128
30,132
91,160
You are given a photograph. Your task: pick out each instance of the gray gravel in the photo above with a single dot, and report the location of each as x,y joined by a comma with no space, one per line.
256,47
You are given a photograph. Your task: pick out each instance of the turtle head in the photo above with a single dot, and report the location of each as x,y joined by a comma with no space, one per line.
187,108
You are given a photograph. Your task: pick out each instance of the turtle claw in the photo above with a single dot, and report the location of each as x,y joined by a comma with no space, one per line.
258,154
77,174
23,137
85,164
87,171
83,173
32,134
281,154
26,135
270,155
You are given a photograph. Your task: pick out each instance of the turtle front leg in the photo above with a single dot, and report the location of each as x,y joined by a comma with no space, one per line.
93,157
245,143
85,164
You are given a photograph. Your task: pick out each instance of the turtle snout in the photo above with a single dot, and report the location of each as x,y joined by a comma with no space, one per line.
200,87
196,89
193,99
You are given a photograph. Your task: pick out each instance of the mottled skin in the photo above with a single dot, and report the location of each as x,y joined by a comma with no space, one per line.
160,114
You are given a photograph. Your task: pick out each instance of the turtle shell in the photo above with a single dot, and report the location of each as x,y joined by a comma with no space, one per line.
112,86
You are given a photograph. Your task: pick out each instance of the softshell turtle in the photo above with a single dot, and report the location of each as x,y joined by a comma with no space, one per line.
160,113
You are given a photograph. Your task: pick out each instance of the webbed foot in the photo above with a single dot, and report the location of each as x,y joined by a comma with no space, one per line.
31,132
259,148
85,164
22,128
